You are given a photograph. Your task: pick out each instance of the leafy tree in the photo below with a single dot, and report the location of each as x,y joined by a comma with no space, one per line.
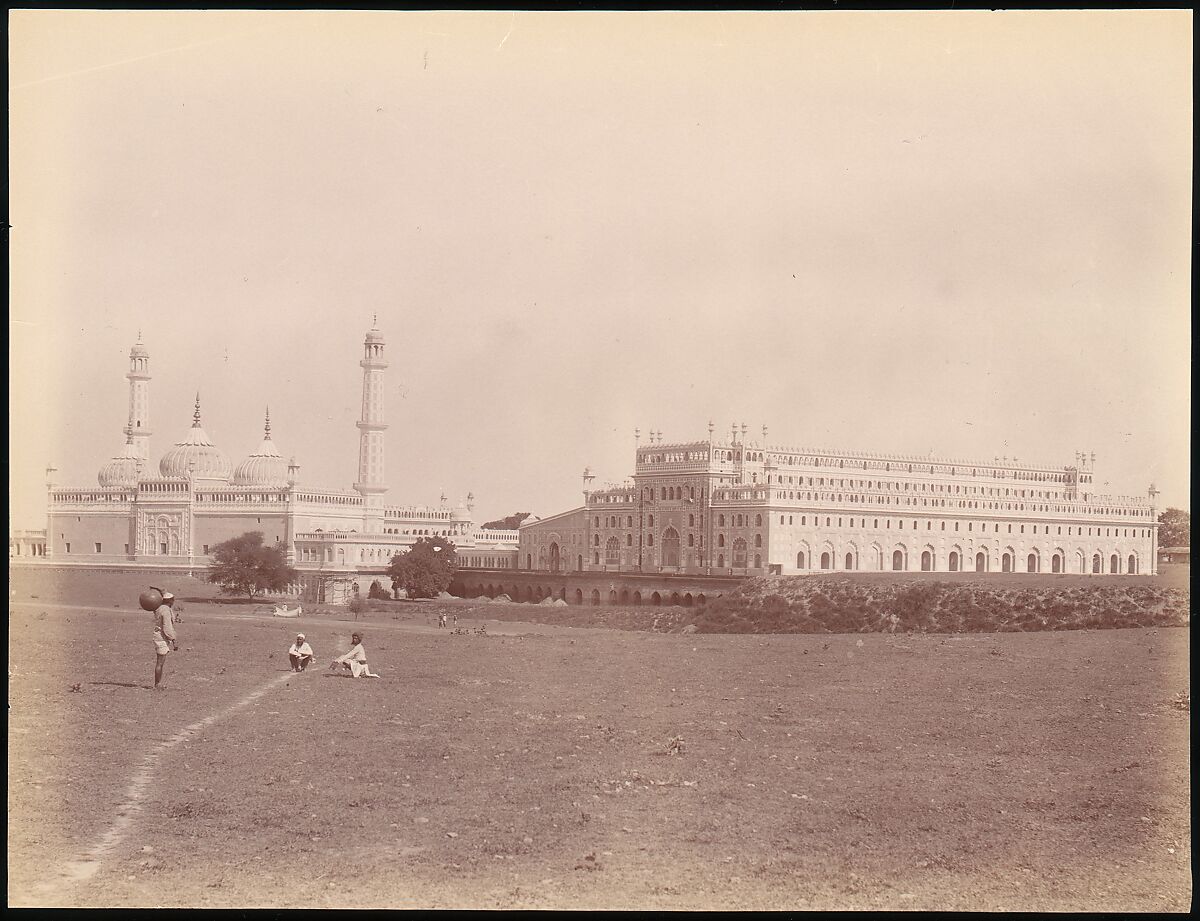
243,566
1175,528
377,590
511,523
425,569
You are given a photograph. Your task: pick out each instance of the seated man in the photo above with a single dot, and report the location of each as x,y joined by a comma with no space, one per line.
355,660
301,654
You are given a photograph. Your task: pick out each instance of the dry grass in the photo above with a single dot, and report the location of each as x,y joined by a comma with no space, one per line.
549,767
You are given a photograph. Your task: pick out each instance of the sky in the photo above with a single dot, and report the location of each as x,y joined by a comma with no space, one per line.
965,233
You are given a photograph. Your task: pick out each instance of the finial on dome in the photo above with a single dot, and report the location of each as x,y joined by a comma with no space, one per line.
375,321
196,414
267,426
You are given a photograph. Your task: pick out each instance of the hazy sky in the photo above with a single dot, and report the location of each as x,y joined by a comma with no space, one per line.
958,232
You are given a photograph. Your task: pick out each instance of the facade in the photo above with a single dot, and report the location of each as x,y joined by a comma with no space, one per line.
335,538
728,506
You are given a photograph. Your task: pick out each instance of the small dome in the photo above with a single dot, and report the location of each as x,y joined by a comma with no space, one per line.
265,467
195,455
123,470
461,513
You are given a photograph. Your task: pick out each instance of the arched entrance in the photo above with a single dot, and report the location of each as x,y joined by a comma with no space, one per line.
624,596
579,596
898,560
926,561
595,597
700,599
670,547
849,560
800,560
555,558
612,596
637,599
1132,568
981,562
656,599
1033,564
1006,563
675,598
1097,564
953,561
826,561
687,600
1056,563
1114,564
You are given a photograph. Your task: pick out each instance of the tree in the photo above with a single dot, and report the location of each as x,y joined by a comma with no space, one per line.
1175,528
243,566
511,523
377,591
425,569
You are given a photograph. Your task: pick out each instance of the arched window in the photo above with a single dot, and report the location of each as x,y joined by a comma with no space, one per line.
1031,563
953,561
720,540
800,560
1114,564
1097,563
739,553
691,540
758,521
758,540
1132,568
612,551
757,561
670,552
720,521
650,521
826,561
849,560
721,560
898,560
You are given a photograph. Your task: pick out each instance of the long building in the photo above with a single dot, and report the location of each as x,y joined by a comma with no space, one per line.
337,539
732,507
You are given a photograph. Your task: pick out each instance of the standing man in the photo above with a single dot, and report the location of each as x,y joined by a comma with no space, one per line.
164,635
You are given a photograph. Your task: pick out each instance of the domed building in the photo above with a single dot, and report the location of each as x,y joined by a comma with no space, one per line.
335,538
125,469
196,456
265,467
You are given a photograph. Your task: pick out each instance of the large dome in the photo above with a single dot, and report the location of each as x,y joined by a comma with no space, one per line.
265,467
195,455
123,470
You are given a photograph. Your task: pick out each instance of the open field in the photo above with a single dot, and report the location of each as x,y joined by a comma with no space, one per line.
531,767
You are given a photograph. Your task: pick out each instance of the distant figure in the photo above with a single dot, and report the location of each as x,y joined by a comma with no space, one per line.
355,660
456,618
442,619
164,636
301,654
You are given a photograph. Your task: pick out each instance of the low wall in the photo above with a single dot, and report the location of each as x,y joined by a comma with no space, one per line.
595,588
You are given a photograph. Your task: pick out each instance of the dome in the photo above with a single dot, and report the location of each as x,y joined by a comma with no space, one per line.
139,350
265,467
461,513
123,470
195,455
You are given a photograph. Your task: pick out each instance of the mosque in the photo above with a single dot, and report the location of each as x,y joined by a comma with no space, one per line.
337,539
723,505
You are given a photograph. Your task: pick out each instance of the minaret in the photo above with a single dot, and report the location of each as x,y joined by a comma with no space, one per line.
139,399
371,484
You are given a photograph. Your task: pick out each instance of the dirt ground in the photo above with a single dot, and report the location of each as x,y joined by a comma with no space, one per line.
544,766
